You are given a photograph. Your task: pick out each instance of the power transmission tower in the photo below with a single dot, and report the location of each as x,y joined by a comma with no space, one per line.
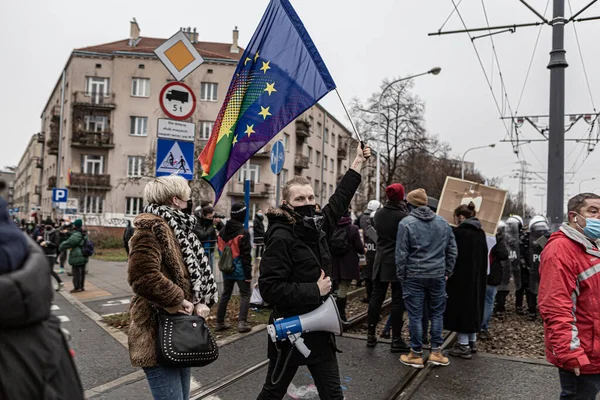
557,66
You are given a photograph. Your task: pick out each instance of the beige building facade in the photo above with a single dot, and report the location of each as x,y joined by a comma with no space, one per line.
109,121
28,184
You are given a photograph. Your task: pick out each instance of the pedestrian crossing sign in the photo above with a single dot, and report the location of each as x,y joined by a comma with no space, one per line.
175,158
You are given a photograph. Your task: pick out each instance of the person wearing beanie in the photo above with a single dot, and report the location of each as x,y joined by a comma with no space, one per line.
365,222
384,269
206,231
425,256
236,237
76,258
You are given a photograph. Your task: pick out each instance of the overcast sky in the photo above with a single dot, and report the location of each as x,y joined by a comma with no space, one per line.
362,42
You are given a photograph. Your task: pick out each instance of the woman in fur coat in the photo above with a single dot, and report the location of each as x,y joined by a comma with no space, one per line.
168,269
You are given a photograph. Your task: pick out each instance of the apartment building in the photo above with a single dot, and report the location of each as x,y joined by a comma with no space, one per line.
8,176
109,122
28,187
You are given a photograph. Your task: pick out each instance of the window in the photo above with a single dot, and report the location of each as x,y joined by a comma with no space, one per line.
311,121
91,204
96,86
333,139
208,91
310,154
253,175
317,187
324,189
331,164
319,129
206,128
95,123
286,142
318,158
326,135
139,126
93,165
330,190
140,87
134,206
135,166
325,162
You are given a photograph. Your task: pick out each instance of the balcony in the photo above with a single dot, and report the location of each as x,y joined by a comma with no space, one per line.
257,190
53,144
89,139
40,137
342,153
39,163
94,100
300,161
38,190
265,152
302,129
51,182
89,182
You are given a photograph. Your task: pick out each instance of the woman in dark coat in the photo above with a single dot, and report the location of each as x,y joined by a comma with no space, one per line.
345,267
384,269
467,285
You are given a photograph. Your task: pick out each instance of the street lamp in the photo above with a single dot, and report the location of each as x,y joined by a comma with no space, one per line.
432,71
462,160
585,180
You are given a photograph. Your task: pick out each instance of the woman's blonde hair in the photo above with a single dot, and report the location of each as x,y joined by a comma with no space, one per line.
161,190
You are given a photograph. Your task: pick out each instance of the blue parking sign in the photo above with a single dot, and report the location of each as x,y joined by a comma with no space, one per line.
60,195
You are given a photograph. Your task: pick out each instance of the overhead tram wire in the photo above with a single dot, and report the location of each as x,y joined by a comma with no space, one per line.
482,67
537,40
585,74
535,155
449,16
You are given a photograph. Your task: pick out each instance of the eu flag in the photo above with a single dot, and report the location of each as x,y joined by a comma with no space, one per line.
279,76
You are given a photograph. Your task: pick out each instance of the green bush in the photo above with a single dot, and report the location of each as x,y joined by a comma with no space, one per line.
103,240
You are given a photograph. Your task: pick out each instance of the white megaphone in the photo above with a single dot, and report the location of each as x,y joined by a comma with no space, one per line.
326,318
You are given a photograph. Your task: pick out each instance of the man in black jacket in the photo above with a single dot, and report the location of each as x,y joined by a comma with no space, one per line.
258,228
294,278
206,231
127,235
384,268
49,243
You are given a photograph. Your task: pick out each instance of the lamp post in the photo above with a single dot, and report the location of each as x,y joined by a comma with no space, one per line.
462,160
433,71
585,180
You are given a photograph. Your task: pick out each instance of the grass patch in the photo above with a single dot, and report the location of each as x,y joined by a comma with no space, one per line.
110,255
119,321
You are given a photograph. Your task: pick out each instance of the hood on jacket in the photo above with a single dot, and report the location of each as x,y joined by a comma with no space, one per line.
423,213
472,222
396,205
344,221
13,242
580,238
233,228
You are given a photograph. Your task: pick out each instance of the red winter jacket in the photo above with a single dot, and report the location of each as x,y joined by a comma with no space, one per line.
569,301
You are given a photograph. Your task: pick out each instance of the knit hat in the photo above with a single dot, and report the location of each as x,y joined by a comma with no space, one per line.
373,205
238,211
395,192
78,223
417,198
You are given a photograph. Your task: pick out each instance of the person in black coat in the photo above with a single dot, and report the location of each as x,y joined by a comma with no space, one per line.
34,356
345,266
365,222
384,268
294,278
467,285
127,235
49,243
258,228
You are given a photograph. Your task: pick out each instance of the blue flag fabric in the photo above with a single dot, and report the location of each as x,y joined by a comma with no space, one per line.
279,76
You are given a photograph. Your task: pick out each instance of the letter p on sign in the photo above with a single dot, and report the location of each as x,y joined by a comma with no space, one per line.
60,195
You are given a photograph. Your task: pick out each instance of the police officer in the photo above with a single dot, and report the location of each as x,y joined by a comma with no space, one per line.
294,278
538,234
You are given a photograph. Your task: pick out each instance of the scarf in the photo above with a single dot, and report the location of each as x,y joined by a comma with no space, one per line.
204,287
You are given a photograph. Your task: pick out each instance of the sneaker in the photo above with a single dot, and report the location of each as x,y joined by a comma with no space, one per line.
222,326
460,350
75,291
243,327
60,286
437,358
473,347
61,271
412,360
385,335
485,335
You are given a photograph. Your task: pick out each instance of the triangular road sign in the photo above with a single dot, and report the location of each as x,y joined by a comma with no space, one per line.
174,162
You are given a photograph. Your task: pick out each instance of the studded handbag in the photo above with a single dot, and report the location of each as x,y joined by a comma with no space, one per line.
184,341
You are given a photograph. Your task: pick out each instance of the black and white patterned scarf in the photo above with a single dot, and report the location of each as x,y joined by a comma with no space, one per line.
204,287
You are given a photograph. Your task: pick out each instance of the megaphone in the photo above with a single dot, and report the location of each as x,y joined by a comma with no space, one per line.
326,318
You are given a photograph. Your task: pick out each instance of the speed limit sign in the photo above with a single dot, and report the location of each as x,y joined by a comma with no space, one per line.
177,100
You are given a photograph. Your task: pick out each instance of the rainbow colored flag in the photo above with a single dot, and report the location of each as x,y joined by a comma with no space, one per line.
279,76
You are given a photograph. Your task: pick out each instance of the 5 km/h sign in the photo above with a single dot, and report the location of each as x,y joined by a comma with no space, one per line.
177,100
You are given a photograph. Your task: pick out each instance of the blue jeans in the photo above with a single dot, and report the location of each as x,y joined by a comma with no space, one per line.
414,292
490,296
582,387
465,338
169,383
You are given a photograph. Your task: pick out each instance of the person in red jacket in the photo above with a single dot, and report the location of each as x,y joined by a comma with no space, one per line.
568,298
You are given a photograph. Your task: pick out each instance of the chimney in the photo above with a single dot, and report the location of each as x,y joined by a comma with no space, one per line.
195,36
134,33
236,35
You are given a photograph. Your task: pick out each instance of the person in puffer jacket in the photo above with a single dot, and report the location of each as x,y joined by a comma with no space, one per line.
568,298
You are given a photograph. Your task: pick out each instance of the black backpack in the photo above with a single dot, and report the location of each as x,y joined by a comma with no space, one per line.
87,249
340,244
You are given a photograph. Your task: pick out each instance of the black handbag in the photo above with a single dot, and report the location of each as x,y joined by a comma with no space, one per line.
184,341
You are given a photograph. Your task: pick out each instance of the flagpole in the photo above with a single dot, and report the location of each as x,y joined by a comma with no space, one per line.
247,193
350,118
320,189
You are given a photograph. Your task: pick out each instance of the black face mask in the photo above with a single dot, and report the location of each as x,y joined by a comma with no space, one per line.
188,209
307,210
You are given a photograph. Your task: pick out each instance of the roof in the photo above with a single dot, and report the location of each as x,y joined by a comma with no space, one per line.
147,45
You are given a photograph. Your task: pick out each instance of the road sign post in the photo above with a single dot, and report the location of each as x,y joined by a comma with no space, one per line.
277,161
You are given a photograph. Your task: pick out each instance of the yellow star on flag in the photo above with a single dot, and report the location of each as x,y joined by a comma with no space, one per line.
270,88
256,56
249,130
265,66
246,61
234,140
264,112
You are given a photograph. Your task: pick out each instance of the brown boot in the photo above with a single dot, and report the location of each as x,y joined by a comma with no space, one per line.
412,359
437,358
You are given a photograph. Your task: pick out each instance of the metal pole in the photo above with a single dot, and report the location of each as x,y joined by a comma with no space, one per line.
320,189
60,129
556,144
247,194
277,189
